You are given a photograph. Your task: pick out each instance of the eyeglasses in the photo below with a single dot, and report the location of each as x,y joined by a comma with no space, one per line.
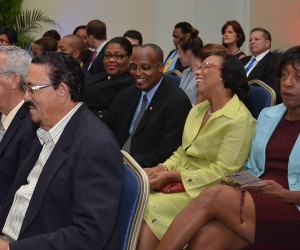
116,57
4,42
142,67
32,89
207,65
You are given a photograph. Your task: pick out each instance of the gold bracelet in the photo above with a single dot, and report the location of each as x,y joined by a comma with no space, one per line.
160,164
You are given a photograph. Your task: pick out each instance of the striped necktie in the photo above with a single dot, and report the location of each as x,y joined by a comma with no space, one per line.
2,131
127,144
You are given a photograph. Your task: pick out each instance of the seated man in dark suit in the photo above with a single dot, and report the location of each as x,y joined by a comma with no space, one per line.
148,117
16,129
67,193
262,63
172,61
96,38
72,45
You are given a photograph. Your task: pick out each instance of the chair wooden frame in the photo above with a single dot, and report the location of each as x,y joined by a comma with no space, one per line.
134,221
174,72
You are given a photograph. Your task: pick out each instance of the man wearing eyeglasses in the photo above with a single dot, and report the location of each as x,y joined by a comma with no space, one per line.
68,190
148,117
16,129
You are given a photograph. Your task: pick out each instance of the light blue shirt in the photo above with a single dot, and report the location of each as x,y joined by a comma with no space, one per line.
150,95
267,122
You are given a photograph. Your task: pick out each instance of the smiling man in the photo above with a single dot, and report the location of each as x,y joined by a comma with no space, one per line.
148,117
68,191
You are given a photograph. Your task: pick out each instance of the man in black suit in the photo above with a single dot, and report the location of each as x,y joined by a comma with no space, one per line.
96,38
172,61
67,192
18,130
158,133
262,64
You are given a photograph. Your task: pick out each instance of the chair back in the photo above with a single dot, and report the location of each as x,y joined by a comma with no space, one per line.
261,96
174,72
133,203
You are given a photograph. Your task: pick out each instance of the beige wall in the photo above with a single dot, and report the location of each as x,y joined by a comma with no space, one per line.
280,18
156,18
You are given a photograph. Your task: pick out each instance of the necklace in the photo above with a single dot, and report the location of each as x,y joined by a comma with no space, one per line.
210,113
236,52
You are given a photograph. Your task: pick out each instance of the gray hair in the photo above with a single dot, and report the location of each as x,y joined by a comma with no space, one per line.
16,60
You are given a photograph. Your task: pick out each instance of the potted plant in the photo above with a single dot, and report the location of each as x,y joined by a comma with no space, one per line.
25,22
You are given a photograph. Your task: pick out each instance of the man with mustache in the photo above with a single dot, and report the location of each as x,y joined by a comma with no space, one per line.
67,193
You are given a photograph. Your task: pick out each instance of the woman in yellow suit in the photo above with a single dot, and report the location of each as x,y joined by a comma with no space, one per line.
216,142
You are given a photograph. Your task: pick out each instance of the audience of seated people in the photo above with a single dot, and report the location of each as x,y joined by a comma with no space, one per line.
16,129
103,88
188,47
80,31
172,61
134,37
151,118
8,36
262,63
72,45
42,45
148,117
96,39
216,141
233,38
259,217
68,190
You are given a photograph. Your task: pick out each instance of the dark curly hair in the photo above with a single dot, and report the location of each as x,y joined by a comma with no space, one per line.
63,68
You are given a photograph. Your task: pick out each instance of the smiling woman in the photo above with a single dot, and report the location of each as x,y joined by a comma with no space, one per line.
261,216
103,88
216,141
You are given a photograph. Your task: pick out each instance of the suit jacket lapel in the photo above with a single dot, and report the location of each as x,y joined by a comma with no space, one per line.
258,67
53,164
21,178
13,127
154,104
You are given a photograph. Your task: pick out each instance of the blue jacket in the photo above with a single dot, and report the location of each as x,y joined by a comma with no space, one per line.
266,124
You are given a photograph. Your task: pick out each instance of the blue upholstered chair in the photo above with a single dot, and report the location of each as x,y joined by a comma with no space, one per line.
133,203
174,76
261,96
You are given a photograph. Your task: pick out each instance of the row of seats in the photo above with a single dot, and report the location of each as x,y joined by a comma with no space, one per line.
136,185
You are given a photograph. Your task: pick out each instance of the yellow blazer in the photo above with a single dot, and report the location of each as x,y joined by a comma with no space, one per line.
219,148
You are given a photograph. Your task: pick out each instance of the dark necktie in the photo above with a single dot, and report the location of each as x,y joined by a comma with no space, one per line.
253,60
93,57
127,144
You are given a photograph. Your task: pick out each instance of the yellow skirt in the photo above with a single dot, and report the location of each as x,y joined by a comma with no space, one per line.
162,209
